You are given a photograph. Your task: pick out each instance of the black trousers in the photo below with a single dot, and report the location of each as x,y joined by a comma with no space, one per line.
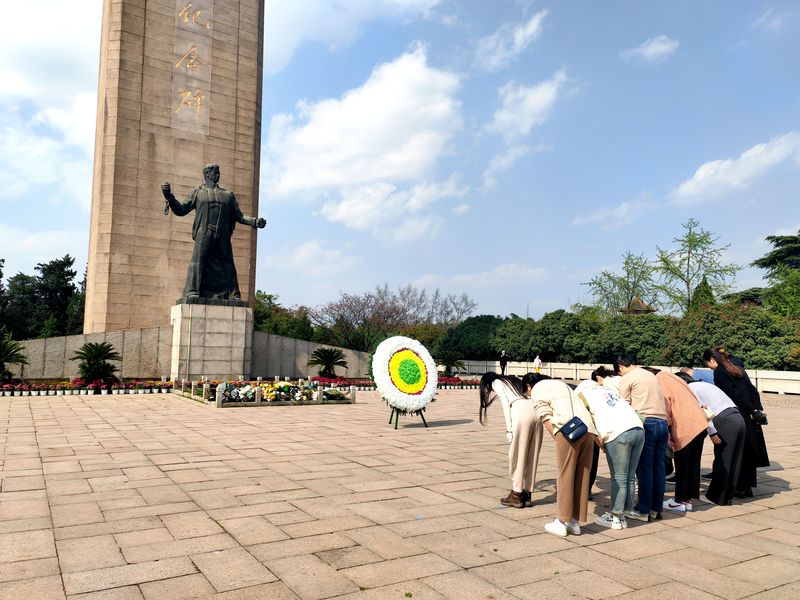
727,456
687,469
593,470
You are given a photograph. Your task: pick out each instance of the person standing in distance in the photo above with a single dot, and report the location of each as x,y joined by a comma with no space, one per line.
503,362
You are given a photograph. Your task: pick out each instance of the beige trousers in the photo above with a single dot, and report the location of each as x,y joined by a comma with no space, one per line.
572,486
523,454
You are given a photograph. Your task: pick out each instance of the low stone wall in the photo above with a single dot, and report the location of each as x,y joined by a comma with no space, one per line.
145,354
780,382
288,357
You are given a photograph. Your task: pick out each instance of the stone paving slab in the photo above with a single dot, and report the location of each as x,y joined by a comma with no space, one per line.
158,497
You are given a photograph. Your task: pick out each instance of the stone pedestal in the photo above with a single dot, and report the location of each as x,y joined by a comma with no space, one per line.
211,341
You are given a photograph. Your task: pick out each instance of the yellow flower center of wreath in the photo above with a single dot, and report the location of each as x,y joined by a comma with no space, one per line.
408,372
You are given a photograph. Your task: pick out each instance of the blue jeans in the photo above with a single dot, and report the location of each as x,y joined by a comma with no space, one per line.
623,457
650,471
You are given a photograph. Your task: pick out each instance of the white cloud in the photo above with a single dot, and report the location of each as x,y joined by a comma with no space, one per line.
718,177
312,259
371,154
652,51
505,160
48,154
770,20
393,214
618,216
37,158
49,51
22,249
334,23
498,50
524,107
460,209
391,129
508,274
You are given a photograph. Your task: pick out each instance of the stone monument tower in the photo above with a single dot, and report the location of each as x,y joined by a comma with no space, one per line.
179,87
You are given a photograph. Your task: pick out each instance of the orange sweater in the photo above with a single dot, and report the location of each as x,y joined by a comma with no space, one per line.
685,417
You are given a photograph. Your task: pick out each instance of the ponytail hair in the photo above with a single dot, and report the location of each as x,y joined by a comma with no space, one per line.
723,359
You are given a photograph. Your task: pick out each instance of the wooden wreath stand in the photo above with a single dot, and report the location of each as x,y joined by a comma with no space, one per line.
396,416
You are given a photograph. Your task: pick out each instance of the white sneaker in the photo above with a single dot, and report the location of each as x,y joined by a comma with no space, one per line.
624,522
556,527
687,506
573,528
609,520
674,506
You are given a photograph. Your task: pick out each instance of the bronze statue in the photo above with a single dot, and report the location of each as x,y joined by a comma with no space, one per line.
212,273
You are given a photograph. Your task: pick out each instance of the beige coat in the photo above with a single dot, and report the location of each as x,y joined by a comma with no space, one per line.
554,401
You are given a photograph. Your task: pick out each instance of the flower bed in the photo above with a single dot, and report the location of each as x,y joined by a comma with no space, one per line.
267,393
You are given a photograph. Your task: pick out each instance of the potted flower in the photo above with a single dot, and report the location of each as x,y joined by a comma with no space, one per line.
91,388
8,389
59,389
115,388
166,387
78,386
25,389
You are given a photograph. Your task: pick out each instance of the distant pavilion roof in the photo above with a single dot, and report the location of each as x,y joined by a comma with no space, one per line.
637,306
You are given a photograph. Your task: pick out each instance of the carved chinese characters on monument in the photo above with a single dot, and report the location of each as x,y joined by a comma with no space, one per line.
191,81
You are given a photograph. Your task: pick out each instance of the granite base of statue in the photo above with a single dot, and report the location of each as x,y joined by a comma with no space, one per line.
212,325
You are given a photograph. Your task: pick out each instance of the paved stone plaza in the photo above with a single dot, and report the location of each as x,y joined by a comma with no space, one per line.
162,498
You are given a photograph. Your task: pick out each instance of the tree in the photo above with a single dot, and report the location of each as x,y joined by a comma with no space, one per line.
11,353
614,292
361,321
22,313
697,256
328,359
270,317
43,305
471,339
449,360
783,295
427,334
95,362
785,253
55,289
75,309
762,339
703,296
516,336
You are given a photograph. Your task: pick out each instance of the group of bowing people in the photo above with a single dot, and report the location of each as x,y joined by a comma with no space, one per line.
633,414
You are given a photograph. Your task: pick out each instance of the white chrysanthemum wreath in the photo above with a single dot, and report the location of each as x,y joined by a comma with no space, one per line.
405,374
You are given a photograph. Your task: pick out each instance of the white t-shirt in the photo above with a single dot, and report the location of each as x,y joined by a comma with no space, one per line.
612,415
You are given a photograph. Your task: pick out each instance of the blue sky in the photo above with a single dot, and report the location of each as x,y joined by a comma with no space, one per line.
510,150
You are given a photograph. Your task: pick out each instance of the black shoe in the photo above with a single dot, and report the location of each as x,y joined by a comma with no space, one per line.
706,476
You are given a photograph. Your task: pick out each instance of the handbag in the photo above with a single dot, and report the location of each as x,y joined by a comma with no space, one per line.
575,428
